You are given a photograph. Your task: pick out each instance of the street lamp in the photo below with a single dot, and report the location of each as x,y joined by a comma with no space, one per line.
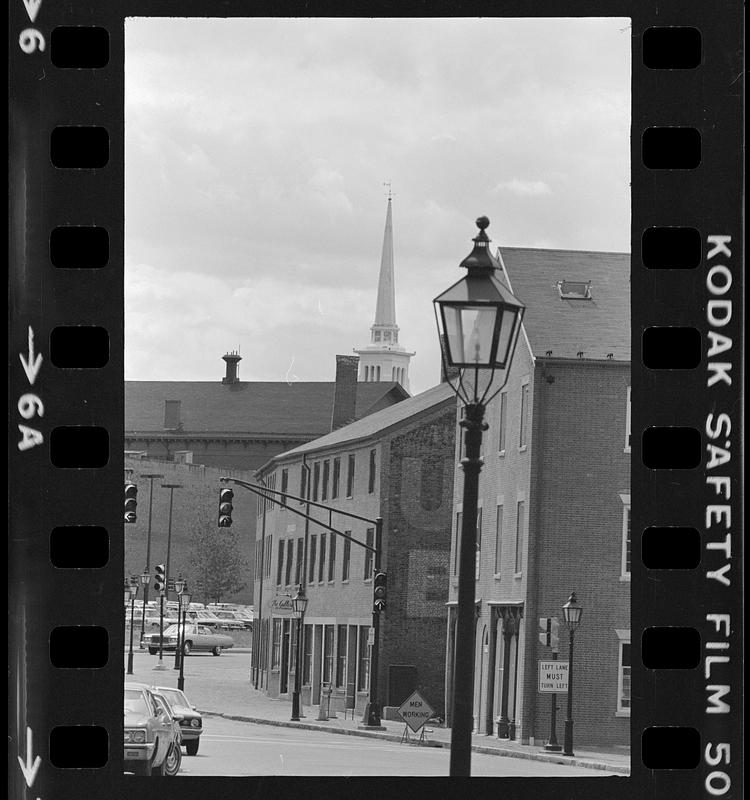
299,604
572,613
184,605
131,590
478,321
151,477
179,587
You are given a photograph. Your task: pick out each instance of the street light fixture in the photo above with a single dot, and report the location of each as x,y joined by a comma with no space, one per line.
478,320
299,605
572,613
131,590
179,587
184,605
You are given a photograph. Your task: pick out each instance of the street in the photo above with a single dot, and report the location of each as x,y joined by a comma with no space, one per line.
236,748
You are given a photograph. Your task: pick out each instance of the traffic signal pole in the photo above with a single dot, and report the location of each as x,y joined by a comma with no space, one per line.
372,717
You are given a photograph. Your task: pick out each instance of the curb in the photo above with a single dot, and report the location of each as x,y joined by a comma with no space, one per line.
391,737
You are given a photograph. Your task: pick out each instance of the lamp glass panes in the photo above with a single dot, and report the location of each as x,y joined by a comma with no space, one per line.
299,603
478,320
572,612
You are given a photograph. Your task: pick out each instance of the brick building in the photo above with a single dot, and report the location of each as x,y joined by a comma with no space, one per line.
396,464
554,503
230,424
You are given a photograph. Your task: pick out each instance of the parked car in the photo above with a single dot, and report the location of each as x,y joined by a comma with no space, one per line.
150,732
197,638
173,760
189,719
230,620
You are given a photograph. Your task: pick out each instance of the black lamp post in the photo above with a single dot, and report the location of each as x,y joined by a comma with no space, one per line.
184,605
299,604
179,587
478,320
572,613
131,590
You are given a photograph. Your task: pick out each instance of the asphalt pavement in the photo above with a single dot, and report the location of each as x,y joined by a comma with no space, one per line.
220,687
232,748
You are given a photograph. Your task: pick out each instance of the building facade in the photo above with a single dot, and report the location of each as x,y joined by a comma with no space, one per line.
554,503
396,464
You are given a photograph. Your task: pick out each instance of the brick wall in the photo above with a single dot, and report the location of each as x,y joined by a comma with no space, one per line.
569,476
580,434
418,501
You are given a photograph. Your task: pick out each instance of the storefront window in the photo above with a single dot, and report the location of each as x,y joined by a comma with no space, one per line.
327,653
276,644
307,644
341,656
363,665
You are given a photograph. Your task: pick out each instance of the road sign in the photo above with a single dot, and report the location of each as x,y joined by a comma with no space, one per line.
549,632
553,676
371,636
415,711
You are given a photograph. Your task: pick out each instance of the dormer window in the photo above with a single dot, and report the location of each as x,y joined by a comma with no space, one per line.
574,290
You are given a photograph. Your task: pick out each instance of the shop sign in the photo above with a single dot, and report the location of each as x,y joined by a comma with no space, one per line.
282,605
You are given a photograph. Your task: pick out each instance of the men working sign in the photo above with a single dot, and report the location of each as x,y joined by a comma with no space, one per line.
415,711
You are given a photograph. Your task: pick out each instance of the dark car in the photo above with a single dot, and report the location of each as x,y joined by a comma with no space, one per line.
189,719
150,733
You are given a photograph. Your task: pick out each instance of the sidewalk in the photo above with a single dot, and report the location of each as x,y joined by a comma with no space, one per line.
254,706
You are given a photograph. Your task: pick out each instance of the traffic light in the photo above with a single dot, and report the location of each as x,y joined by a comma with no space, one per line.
160,578
380,585
225,508
131,501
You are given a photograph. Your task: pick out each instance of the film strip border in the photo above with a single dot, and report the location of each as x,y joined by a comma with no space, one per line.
687,630
66,544
66,550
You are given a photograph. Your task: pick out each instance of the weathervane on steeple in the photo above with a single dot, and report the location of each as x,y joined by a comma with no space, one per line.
388,184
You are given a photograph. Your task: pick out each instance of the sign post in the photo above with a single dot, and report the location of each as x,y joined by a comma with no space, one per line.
415,711
549,628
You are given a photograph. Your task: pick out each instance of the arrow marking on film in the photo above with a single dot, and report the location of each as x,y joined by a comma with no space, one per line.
32,365
29,769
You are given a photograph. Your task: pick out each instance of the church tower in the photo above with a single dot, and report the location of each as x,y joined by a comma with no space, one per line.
384,359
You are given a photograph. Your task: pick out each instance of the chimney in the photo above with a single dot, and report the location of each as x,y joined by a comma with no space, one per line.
232,359
345,391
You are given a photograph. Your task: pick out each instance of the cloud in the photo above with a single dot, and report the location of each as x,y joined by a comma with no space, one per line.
523,188
255,156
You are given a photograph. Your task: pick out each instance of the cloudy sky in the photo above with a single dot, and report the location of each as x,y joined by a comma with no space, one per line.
257,150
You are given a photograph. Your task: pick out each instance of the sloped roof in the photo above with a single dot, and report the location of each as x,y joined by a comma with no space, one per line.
376,423
595,327
248,407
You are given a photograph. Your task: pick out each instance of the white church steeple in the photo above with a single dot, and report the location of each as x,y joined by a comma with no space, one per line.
384,359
